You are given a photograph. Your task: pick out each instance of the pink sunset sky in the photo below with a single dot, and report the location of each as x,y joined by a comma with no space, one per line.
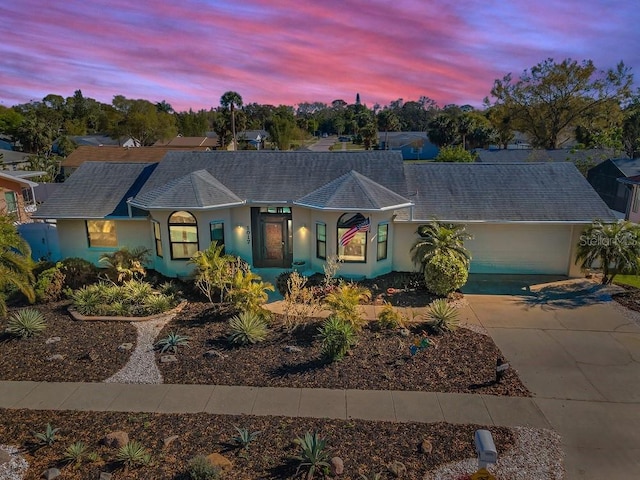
189,52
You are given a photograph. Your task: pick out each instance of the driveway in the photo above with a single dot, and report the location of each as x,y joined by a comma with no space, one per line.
579,354
323,144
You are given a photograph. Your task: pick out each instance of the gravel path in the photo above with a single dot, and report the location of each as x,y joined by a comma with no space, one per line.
16,467
142,367
537,455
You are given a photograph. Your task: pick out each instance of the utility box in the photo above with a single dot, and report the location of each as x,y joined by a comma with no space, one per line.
485,448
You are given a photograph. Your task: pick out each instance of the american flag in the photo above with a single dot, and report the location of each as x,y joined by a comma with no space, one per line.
363,226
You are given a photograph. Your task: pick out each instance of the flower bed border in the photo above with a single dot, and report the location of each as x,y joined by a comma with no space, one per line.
84,318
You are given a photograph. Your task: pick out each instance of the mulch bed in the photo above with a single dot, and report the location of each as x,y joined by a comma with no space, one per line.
90,349
463,361
364,446
630,298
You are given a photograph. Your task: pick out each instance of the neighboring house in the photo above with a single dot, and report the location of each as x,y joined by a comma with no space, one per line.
112,155
632,211
98,141
413,145
604,180
208,142
277,209
254,138
12,160
17,196
5,145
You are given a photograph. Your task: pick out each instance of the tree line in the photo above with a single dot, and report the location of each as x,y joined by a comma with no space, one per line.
551,103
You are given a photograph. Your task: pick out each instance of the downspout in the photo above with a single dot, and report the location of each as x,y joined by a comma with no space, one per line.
129,209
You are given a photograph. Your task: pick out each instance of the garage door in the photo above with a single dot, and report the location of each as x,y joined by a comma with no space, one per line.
528,249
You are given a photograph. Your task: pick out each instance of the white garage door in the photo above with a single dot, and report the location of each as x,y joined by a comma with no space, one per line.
532,249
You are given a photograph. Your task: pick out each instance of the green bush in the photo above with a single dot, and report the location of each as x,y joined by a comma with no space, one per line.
78,272
26,323
282,283
200,468
442,316
337,336
247,327
344,301
133,454
389,318
445,274
50,284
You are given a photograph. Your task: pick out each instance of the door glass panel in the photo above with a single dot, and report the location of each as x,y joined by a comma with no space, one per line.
273,241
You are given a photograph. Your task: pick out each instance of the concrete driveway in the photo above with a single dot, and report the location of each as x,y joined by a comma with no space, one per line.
579,354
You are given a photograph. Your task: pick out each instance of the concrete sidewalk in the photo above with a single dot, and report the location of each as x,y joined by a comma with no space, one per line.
393,406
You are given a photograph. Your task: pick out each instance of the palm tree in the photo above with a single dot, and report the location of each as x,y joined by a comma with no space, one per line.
440,239
232,100
15,263
615,247
388,122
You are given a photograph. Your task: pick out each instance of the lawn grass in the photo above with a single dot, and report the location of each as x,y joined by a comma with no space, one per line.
632,280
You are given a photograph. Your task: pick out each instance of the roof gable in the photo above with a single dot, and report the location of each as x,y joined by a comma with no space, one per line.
197,189
353,191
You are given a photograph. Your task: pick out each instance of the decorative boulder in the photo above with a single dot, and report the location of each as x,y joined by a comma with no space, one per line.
220,461
50,474
116,439
337,466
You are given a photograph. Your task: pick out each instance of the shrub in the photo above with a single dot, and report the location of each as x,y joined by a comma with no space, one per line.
214,271
200,468
75,452
313,453
50,284
78,272
86,300
26,323
282,283
337,336
248,292
124,264
133,454
389,317
445,274
344,300
171,343
442,316
299,301
158,303
247,327
48,437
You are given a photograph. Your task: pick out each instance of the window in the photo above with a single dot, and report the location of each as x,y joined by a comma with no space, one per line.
157,238
352,237
636,199
275,209
11,201
27,195
183,235
217,233
383,231
102,233
321,240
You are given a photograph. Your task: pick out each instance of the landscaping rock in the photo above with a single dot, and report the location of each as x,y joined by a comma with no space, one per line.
169,440
397,469
405,332
125,347
292,349
426,447
116,439
5,457
214,353
220,461
337,466
90,356
55,358
168,358
105,476
51,340
50,474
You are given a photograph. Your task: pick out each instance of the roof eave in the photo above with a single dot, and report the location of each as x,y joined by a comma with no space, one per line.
353,209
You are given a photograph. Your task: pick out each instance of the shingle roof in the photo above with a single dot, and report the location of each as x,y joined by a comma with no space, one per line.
539,155
114,154
263,177
353,191
628,166
197,189
96,190
521,192
188,142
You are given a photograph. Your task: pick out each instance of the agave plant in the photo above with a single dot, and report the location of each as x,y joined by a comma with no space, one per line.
171,343
247,327
442,316
245,437
313,453
337,336
133,454
86,300
75,452
48,437
25,323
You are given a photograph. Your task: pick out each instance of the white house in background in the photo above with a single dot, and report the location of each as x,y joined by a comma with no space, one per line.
275,209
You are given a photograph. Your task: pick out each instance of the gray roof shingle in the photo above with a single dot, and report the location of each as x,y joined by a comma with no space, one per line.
353,191
197,189
96,190
519,192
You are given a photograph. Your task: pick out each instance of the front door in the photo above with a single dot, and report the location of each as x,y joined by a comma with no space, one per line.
272,240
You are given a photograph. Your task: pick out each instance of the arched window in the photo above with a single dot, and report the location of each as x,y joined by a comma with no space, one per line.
183,235
352,237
